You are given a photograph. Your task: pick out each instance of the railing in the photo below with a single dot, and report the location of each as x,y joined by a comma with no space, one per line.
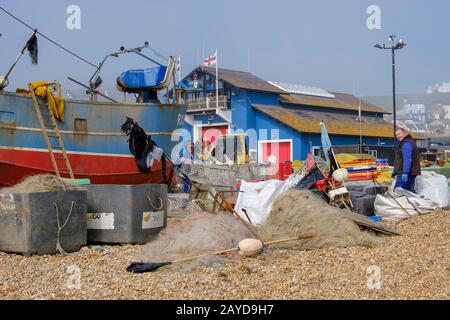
207,103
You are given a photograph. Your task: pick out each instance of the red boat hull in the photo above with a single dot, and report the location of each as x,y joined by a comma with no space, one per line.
17,164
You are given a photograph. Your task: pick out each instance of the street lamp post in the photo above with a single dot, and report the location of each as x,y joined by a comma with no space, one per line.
393,47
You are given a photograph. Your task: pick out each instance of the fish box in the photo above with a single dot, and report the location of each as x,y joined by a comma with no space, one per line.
126,213
29,224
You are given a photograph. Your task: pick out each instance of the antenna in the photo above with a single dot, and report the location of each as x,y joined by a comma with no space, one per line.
248,59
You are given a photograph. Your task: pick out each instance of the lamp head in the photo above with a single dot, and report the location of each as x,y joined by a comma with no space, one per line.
401,44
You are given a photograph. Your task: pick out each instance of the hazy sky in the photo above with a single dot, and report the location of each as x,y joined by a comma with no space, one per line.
321,43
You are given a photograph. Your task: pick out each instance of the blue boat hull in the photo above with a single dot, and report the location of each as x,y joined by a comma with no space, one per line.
91,133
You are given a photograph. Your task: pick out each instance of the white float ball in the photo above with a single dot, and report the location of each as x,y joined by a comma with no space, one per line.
340,175
250,247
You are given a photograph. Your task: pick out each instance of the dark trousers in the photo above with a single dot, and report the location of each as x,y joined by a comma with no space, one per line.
408,185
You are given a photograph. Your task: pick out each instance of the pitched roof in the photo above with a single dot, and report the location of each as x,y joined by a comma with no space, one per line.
341,101
242,79
309,121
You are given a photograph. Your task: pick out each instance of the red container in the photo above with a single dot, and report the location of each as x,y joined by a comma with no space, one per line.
284,170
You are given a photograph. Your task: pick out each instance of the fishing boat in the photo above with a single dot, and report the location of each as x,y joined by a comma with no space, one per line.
91,131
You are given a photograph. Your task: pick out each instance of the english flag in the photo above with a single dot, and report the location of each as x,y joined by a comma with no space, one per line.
211,60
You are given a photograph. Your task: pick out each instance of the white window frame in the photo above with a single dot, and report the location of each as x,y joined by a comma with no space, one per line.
314,148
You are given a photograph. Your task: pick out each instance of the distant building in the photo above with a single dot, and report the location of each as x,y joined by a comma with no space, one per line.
446,109
437,126
415,111
435,112
439,88
288,115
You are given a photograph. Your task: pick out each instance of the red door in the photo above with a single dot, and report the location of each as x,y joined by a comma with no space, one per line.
276,152
279,154
210,134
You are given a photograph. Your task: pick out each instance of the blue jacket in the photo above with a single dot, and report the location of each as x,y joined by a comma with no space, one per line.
407,151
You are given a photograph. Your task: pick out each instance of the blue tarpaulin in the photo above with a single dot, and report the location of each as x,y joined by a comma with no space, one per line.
142,78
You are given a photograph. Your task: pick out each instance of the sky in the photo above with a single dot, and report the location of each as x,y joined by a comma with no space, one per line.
320,43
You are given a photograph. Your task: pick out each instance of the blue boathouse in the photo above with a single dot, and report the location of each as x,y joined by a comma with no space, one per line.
287,115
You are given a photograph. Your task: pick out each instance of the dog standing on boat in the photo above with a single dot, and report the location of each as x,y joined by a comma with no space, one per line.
142,147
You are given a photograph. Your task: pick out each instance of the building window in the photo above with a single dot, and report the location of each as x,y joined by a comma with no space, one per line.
317,151
373,153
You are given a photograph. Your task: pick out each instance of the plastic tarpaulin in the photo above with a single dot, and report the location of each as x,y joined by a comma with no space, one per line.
402,204
325,139
433,186
142,78
257,199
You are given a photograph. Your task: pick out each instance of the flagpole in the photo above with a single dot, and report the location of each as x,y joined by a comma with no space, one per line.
217,80
179,68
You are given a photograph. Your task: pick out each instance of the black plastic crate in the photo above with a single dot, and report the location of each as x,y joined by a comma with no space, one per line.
28,221
121,214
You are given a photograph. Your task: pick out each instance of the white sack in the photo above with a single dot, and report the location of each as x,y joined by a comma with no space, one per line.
257,198
388,208
433,186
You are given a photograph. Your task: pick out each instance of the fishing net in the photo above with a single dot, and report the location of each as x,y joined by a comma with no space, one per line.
192,169
177,201
297,212
199,233
180,205
40,183
223,174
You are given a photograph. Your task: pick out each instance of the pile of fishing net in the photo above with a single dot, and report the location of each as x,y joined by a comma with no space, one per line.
297,212
40,183
200,233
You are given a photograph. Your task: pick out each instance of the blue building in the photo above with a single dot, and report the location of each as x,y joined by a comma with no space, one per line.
282,120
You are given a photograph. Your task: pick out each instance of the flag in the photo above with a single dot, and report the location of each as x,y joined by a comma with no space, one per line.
326,143
211,60
32,47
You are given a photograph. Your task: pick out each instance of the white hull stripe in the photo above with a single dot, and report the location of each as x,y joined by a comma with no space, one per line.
89,133
69,152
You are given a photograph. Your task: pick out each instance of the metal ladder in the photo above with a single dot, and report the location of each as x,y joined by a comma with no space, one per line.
51,131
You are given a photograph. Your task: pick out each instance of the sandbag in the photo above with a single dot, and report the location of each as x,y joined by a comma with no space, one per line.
257,198
389,209
433,186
